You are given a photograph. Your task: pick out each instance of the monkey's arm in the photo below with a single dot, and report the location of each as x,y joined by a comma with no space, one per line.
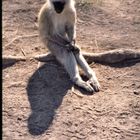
45,23
71,26
71,32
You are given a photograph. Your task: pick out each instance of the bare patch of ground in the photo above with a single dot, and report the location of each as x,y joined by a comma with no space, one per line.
38,102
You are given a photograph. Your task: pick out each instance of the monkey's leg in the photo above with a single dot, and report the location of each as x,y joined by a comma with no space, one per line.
68,60
89,72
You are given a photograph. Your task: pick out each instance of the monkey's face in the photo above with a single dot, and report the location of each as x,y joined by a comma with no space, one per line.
58,5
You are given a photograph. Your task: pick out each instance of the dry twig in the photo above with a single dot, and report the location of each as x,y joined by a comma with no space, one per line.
7,60
96,43
23,52
19,37
76,93
109,57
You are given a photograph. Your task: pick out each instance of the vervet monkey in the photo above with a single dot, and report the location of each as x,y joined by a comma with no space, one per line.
57,27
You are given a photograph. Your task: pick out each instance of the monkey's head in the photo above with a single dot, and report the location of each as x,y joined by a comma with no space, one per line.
59,5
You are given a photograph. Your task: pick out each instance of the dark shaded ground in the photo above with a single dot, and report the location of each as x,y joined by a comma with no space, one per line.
38,102
46,89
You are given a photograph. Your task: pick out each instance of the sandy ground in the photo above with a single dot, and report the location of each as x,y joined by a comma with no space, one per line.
38,103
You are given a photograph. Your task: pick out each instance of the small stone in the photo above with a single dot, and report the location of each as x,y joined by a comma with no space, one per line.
19,119
136,92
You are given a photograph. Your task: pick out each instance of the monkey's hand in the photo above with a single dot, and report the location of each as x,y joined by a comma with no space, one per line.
71,47
73,42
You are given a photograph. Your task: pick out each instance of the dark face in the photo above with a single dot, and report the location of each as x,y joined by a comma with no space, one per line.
58,6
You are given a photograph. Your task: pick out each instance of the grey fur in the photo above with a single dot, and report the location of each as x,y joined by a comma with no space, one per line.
51,26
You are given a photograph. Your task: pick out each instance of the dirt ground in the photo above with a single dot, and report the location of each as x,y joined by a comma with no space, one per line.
38,103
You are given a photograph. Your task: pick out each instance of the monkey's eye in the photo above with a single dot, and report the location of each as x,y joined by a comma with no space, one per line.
58,6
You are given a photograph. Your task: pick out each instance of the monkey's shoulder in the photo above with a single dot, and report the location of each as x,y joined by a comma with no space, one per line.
70,14
45,11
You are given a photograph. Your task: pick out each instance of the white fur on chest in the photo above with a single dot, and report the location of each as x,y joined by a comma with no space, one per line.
59,23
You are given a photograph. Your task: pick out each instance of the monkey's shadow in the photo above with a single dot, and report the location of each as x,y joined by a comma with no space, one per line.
46,89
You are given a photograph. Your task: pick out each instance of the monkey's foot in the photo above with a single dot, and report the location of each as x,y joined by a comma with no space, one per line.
84,85
94,83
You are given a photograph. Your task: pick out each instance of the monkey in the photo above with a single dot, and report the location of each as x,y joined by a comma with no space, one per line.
57,29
